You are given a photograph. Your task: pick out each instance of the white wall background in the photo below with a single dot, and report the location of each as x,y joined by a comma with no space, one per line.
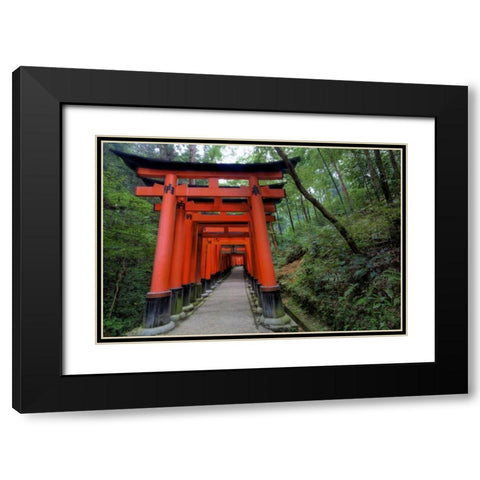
408,41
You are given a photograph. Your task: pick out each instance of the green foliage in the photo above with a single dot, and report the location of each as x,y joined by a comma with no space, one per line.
129,237
338,290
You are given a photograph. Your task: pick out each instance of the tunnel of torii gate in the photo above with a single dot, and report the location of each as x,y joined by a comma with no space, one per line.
205,230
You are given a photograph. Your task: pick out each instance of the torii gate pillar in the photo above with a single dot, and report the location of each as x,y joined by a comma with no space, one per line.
177,263
158,304
273,316
187,276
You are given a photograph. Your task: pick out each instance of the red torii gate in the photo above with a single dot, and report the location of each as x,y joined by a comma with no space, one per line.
188,253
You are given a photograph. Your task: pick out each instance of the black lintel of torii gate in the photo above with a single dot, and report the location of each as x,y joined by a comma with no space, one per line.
137,161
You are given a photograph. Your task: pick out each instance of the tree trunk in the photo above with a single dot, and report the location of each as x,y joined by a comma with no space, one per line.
333,181
394,164
367,190
280,228
342,183
383,178
365,171
296,211
169,152
341,229
289,213
309,214
120,275
373,174
305,212
274,239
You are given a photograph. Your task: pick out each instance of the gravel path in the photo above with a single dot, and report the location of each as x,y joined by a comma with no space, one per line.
225,311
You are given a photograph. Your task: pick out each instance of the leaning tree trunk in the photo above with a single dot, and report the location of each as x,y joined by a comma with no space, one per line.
341,229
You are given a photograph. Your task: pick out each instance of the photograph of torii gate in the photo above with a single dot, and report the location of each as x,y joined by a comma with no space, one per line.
211,240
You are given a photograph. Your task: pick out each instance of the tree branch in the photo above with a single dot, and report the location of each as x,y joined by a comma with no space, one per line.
333,220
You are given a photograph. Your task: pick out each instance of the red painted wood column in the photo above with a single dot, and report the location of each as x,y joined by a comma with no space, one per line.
273,312
208,266
195,275
248,253
200,263
187,283
215,258
187,250
157,308
261,239
256,274
177,261
203,264
256,277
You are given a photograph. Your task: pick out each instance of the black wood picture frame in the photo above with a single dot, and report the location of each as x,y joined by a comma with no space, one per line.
38,97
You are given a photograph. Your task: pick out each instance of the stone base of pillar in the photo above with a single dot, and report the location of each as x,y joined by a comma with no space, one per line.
157,330
176,311
274,316
208,286
198,289
257,298
259,295
188,297
157,310
282,324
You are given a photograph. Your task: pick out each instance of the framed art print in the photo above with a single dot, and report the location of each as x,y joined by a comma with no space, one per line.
194,239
